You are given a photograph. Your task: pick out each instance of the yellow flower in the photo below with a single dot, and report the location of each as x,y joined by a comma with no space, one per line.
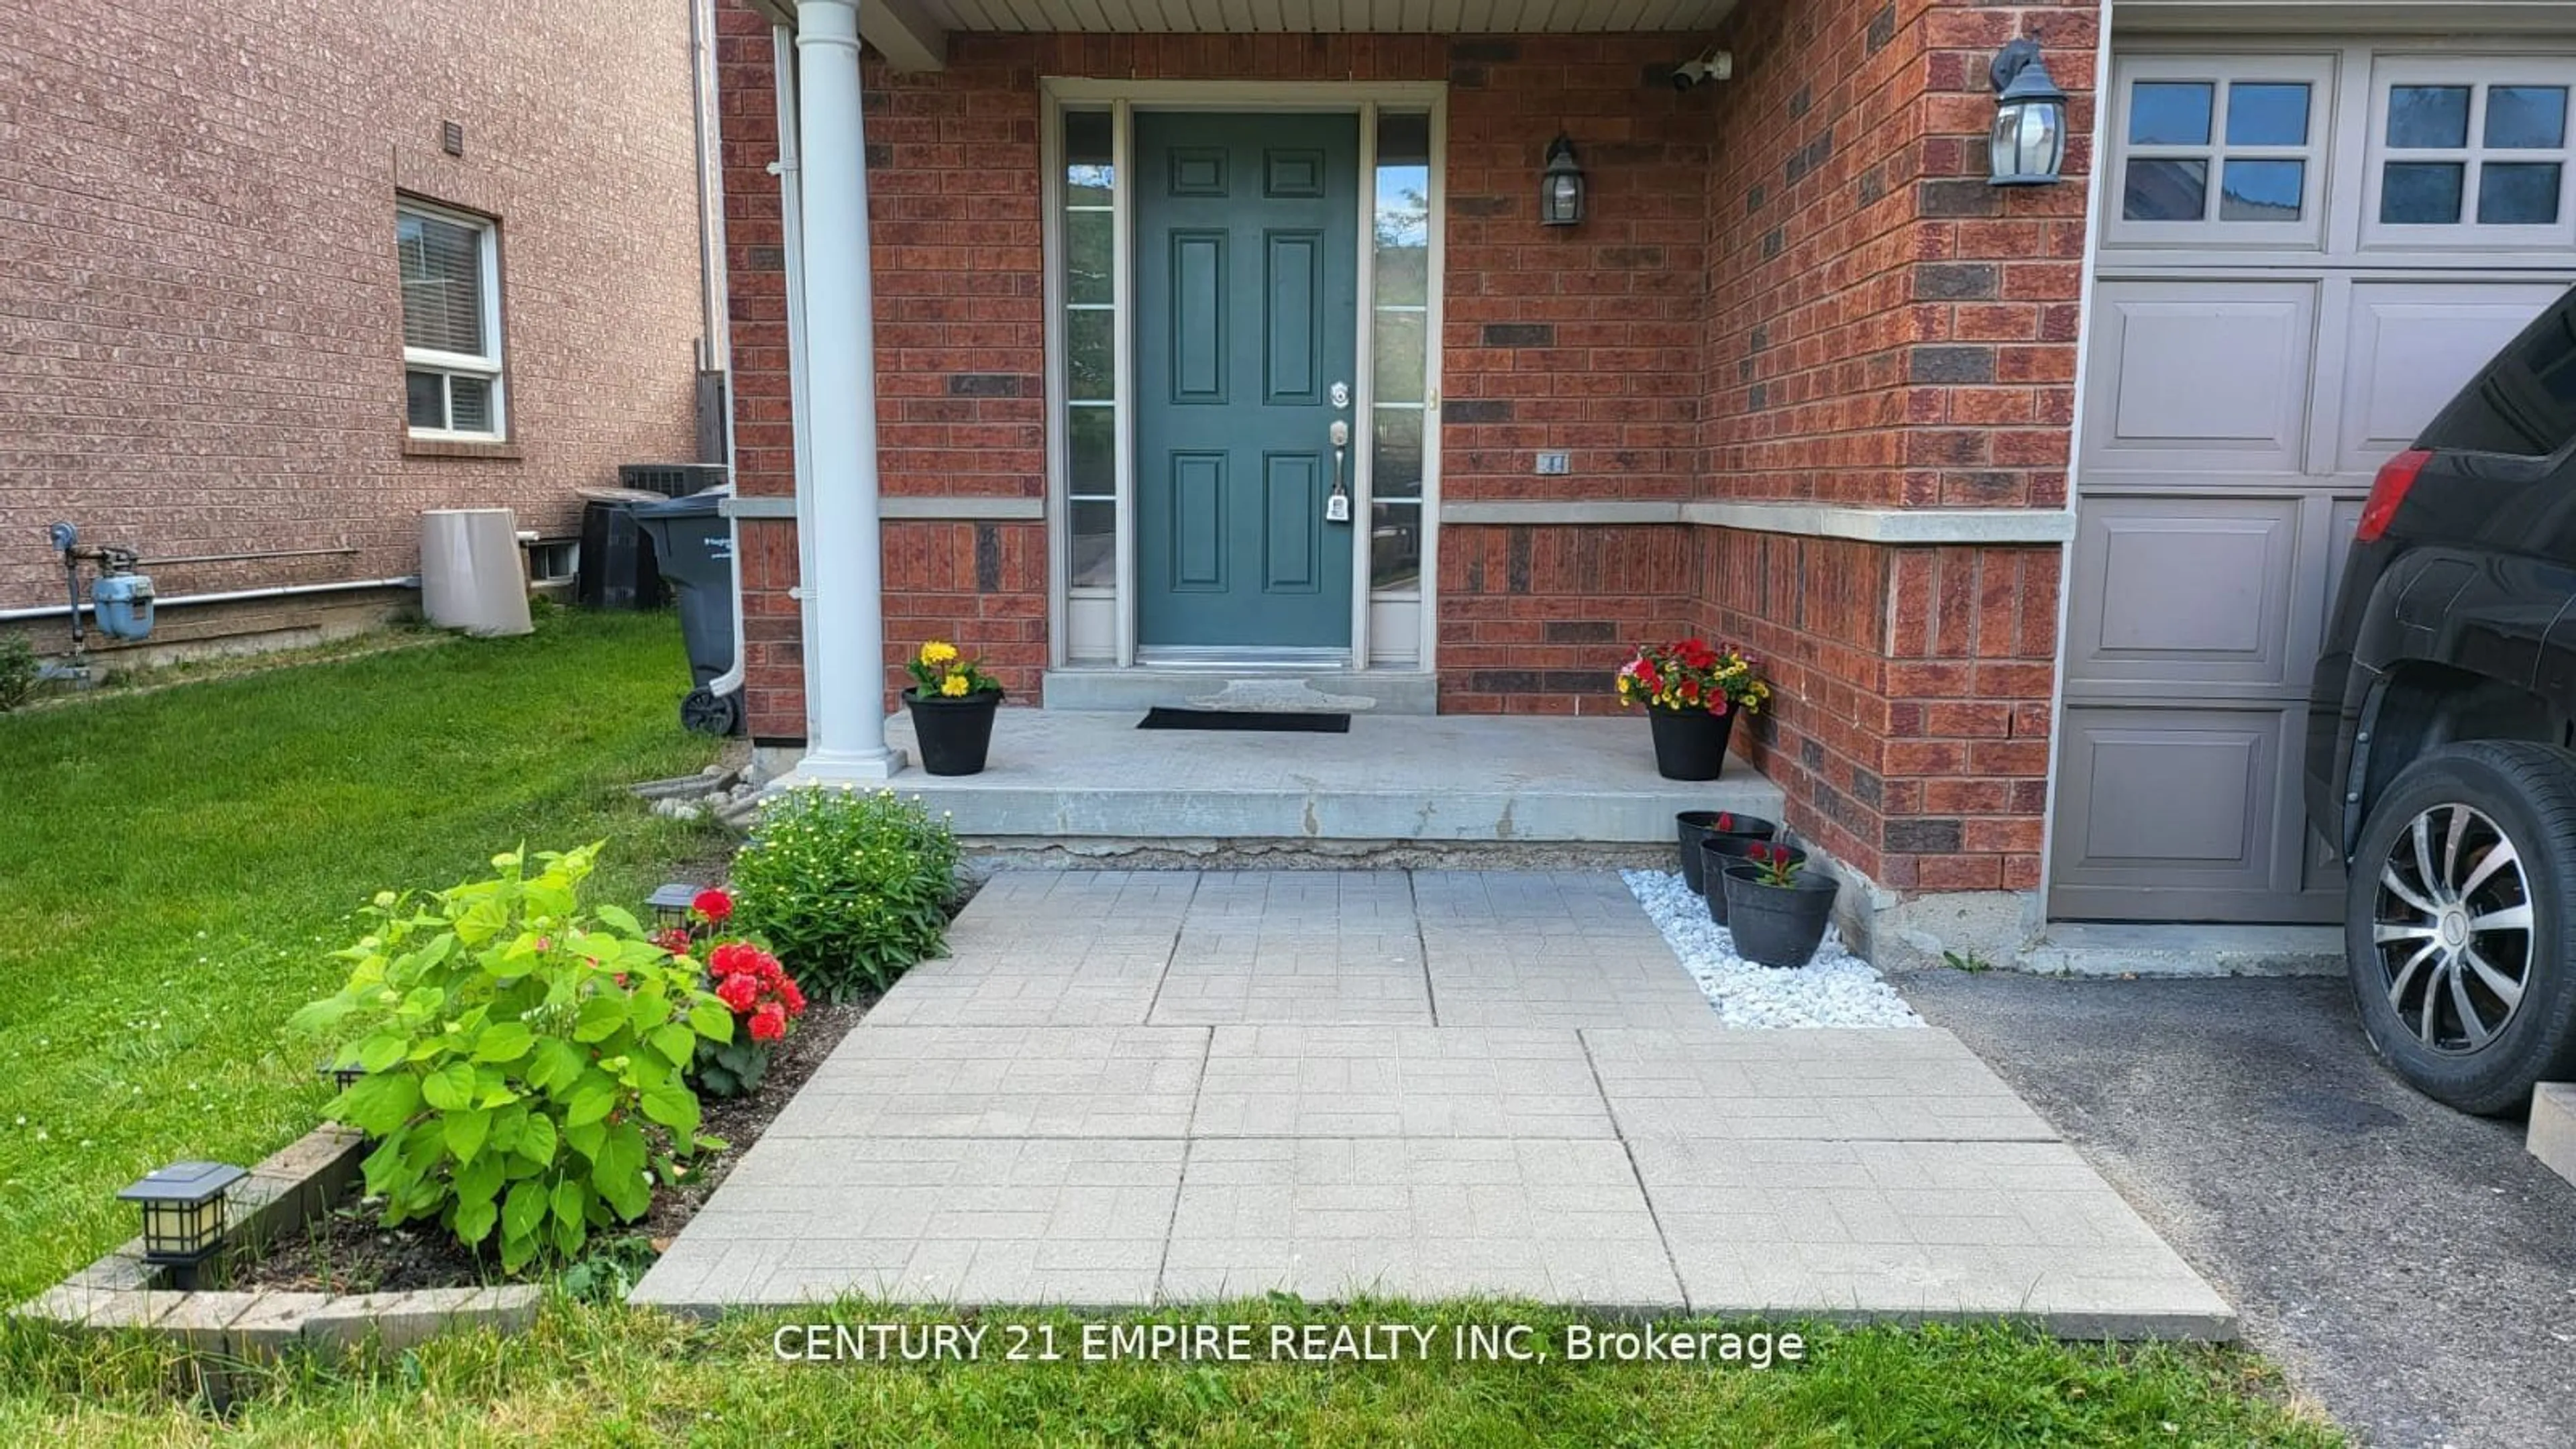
953,685
938,652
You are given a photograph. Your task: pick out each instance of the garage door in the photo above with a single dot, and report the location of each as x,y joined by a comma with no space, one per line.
2304,252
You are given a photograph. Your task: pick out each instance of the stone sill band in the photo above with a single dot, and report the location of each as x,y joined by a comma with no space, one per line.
1813,520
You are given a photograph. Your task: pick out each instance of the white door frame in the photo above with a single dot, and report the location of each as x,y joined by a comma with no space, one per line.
1374,618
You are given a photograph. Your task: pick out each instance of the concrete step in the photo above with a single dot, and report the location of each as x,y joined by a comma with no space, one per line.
1371,691
2553,1127
2082,948
1060,774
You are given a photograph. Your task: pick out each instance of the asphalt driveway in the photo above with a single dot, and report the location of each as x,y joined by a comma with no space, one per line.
2412,1268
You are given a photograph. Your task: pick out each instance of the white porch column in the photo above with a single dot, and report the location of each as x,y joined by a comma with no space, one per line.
846,668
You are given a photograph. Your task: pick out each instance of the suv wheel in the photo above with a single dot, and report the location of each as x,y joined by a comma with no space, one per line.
2460,923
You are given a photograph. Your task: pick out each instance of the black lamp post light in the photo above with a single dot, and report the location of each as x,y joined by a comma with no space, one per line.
2029,143
183,1214
1560,185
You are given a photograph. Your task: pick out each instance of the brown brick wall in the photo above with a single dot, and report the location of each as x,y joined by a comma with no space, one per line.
1886,329
200,346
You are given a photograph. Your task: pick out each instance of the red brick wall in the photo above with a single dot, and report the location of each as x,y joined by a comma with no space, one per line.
200,345
1886,329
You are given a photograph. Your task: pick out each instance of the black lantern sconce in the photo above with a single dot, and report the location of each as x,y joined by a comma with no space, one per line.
670,903
1560,186
2029,143
183,1214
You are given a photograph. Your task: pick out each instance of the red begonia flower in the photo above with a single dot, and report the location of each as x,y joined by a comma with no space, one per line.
714,905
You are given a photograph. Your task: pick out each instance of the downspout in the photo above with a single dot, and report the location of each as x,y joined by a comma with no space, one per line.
791,211
716,341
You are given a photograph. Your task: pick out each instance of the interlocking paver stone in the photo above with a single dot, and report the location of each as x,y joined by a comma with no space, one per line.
1915,1083
974,1081
1129,1087
1557,1220
1914,1230
1407,1081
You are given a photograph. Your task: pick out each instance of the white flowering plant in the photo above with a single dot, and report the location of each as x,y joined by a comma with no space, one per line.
848,887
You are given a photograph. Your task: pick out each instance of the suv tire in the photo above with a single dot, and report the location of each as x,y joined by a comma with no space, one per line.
2460,923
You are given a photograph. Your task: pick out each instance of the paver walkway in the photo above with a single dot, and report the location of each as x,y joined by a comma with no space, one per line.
1128,1088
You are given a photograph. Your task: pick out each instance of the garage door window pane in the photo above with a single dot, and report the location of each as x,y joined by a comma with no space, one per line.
2169,113
2428,116
2262,190
2519,193
2267,113
2526,118
2158,190
2420,193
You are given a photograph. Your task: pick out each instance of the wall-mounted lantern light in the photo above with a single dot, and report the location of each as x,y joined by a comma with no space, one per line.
2029,144
1560,186
183,1211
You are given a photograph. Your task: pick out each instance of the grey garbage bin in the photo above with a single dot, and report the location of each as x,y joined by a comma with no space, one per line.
693,548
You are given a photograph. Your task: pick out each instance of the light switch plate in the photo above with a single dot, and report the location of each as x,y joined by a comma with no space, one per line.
1552,464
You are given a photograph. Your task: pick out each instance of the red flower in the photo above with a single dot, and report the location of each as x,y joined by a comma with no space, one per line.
732,957
1726,820
1690,690
713,905
794,996
674,939
738,992
769,1023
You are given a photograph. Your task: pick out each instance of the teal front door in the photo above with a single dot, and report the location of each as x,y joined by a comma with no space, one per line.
1247,242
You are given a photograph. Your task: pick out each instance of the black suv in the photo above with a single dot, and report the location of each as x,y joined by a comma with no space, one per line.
2439,759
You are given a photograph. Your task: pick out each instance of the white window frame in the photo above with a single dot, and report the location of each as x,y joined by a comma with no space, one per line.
486,366
2220,74
2388,72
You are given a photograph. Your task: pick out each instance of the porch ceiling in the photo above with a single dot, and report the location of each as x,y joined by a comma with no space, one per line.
1466,17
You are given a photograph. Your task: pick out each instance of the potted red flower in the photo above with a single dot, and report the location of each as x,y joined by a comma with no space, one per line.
1776,909
1697,826
1718,852
1692,692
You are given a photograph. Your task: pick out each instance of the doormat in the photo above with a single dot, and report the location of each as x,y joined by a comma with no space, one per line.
1310,722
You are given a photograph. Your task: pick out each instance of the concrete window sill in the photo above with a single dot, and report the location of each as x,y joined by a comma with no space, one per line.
448,448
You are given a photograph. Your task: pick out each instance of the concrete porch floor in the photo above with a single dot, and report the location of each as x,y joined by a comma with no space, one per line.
1091,773
1128,1088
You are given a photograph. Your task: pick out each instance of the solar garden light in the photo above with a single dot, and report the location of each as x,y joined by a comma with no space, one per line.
1560,186
341,1077
2029,144
670,903
183,1214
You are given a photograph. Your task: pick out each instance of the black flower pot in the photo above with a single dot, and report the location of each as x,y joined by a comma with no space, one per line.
1720,851
1778,925
955,733
1690,744
1695,826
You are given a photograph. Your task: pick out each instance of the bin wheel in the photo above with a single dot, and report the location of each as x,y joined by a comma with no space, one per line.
710,713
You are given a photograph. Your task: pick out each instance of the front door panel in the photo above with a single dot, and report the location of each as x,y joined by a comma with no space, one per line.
1247,293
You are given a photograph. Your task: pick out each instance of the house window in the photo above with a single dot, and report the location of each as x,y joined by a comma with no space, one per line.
2482,149
451,297
1400,224
1090,346
2218,148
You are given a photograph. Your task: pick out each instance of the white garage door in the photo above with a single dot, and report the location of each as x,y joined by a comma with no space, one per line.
2304,252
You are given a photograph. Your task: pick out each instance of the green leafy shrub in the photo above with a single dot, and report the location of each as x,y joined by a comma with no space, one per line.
18,671
524,1057
849,887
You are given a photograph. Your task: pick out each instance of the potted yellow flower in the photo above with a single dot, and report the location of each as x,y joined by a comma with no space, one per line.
952,702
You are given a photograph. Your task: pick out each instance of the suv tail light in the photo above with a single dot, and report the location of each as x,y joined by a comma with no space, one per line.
2387,491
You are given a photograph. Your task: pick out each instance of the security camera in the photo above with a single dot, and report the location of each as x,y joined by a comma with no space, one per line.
1711,64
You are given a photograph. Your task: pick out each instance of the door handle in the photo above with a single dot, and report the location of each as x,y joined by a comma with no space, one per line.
1337,505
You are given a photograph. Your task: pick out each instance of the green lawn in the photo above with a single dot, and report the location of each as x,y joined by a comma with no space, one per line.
176,866
614,1377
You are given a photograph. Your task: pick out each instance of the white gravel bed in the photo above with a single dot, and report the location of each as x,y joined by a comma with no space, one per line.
1836,988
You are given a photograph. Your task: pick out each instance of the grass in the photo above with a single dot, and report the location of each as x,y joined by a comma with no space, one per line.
180,863
606,1376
